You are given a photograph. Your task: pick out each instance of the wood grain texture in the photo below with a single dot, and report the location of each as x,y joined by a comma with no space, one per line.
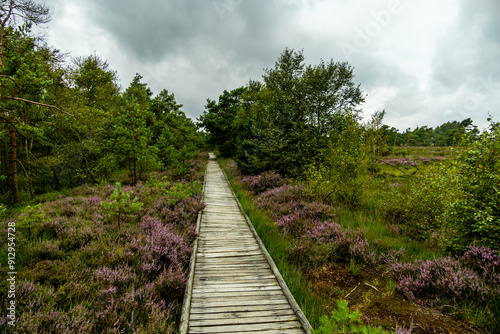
232,286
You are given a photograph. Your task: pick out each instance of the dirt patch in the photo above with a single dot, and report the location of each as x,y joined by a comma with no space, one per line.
370,293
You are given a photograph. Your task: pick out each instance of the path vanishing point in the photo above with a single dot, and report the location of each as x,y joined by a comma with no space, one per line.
233,285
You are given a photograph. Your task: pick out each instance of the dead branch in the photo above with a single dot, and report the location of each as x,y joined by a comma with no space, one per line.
37,103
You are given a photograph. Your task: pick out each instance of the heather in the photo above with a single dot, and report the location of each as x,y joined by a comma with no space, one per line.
406,256
106,259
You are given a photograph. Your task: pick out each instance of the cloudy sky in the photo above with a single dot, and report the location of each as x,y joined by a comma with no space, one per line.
425,62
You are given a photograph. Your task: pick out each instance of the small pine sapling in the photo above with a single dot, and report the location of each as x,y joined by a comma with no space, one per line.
32,216
121,204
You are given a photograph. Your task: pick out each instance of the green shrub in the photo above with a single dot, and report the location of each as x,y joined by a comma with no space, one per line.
343,322
337,178
121,204
419,204
3,210
475,215
31,219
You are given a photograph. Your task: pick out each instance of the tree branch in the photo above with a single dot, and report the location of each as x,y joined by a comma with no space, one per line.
37,103
11,79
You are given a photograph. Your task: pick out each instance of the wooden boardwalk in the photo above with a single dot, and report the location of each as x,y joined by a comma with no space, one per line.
234,287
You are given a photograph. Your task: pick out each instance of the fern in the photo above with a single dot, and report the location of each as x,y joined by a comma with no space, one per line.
343,322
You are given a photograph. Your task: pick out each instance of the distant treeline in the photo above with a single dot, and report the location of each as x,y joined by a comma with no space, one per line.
447,134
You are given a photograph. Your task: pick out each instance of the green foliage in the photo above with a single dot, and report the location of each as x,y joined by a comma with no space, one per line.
475,215
121,205
219,120
94,82
455,204
176,191
337,179
341,321
391,287
131,142
419,204
287,121
353,268
31,219
91,133
447,134
3,210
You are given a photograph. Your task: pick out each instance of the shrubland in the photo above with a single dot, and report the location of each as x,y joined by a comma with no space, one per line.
105,258
347,196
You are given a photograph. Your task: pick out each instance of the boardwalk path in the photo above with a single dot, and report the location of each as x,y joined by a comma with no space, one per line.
233,288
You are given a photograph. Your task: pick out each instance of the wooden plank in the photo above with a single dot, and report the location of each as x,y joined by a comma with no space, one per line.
235,297
240,321
236,315
233,247
244,294
289,326
228,286
196,309
208,303
251,267
234,289
232,276
228,254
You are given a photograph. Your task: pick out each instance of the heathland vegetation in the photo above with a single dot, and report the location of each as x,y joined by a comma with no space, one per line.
99,191
369,226
354,202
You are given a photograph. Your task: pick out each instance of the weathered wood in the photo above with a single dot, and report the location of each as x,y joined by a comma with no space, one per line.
239,308
287,327
232,286
240,321
236,315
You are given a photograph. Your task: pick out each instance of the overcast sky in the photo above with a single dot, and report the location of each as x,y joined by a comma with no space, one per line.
425,62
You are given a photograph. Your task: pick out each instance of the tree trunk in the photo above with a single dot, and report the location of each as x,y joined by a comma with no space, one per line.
135,170
14,187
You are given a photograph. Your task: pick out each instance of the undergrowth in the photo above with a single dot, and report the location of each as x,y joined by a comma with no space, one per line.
305,234
105,259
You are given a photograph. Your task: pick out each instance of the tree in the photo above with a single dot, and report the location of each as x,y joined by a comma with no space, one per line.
295,112
25,77
218,119
94,82
374,132
131,136
11,11
174,134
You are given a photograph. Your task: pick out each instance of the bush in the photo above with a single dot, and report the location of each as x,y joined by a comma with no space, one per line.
327,242
292,209
264,181
121,204
473,276
475,215
418,206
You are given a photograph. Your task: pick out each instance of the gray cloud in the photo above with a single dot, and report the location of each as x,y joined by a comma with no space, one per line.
426,63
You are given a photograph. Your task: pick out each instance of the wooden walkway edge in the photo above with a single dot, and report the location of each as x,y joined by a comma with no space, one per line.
234,285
